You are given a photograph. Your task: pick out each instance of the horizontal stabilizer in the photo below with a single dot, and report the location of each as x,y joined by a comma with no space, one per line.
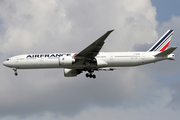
166,52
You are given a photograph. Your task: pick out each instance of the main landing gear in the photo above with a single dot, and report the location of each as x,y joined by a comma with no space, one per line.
89,69
90,75
15,71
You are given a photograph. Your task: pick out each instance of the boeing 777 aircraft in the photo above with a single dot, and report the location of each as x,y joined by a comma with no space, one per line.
90,59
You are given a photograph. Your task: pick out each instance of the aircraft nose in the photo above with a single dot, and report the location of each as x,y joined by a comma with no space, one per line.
5,63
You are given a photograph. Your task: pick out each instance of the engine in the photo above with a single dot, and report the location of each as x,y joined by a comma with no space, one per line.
71,72
68,60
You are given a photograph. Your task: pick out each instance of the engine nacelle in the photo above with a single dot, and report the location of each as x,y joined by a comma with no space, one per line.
70,72
67,60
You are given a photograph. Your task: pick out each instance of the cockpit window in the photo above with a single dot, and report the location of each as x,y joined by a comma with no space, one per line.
7,59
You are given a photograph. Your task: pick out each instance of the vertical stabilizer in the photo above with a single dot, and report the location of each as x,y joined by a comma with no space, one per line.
163,43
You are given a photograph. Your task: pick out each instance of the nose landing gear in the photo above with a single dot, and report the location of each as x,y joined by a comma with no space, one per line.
15,71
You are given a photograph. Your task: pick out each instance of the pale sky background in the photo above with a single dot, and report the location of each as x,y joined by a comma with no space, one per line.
150,92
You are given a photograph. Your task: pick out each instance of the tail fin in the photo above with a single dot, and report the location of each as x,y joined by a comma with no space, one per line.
163,43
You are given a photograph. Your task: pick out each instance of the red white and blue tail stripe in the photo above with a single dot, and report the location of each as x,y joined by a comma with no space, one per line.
163,43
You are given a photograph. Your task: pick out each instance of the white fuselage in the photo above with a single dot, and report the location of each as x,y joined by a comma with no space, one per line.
104,59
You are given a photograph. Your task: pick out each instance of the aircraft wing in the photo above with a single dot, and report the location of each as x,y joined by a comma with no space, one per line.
90,52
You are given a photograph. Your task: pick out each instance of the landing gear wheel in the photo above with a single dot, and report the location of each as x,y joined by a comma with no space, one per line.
87,75
90,75
94,76
15,74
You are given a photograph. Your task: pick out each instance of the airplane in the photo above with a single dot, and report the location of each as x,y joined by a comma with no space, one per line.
91,59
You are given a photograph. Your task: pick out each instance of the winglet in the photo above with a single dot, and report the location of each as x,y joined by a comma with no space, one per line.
166,52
